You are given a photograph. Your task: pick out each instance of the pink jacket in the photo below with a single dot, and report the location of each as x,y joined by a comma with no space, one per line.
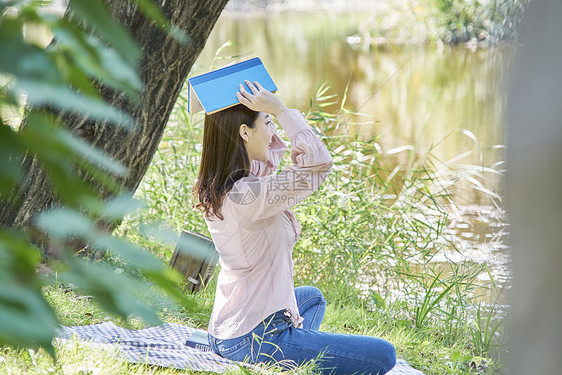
256,238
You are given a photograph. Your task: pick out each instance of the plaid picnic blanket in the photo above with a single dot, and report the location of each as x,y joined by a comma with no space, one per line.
164,346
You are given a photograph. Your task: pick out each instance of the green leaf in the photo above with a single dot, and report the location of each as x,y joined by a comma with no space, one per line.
26,319
18,256
95,14
377,299
71,189
104,179
96,59
10,150
41,93
95,156
114,291
56,157
58,77
118,73
168,281
134,256
119,206
78,79
63,223
21,59
180,35
149,8
60,153
159,232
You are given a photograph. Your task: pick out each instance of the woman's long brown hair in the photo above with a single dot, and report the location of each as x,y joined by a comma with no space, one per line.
224,159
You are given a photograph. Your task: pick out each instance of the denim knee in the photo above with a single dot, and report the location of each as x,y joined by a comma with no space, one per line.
307,292
388,358
321,297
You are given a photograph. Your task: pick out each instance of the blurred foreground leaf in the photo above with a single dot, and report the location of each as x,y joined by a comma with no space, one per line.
26,319
90,51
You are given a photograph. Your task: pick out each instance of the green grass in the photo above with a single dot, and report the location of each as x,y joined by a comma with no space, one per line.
423,348
375,226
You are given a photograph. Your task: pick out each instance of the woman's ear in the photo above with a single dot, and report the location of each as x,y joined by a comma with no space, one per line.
243,131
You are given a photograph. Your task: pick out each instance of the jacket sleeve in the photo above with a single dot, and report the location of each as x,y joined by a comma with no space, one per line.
259,197
277,149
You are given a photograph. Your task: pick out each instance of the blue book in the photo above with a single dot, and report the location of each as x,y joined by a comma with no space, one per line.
216,90
199,340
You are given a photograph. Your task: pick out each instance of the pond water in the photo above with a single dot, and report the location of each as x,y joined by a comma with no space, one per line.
413,98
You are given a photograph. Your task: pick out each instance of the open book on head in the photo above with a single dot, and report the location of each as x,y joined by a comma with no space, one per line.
216,90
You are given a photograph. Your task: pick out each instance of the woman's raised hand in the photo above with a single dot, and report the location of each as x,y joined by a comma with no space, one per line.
260,100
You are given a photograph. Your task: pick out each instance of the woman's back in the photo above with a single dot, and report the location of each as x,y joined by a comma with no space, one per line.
256,237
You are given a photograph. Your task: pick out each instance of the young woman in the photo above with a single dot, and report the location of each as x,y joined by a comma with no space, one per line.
258,315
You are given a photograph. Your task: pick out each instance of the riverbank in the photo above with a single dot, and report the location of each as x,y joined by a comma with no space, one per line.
470,23
242,7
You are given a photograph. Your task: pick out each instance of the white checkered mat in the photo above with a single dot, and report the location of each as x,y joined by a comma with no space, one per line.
164,346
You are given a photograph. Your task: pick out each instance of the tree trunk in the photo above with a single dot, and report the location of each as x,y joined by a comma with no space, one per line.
164,66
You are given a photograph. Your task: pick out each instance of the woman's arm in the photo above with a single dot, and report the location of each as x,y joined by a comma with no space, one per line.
261,100
277,149
266,196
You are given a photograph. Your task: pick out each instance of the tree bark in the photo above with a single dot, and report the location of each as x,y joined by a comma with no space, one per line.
164,67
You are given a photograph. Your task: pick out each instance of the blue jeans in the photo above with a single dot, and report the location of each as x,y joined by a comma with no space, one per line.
276,341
